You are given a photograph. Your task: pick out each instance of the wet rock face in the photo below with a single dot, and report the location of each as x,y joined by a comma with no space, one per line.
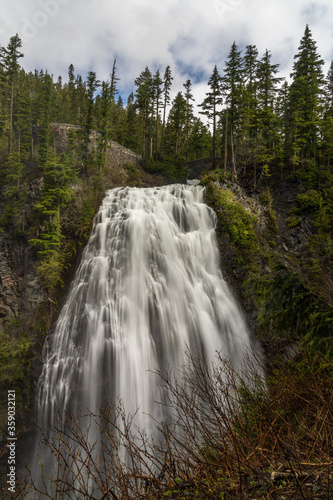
8,282
20,289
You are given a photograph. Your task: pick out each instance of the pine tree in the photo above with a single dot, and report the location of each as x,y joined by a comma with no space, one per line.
92,85
329,91
327,122
14,167
250,67
81,101
176,126
132,134
167,81
157,94
145,104
211,103
113,116
9,62
189,112
113,82
305,100
267,119
250,104
59,174
232,80
104,101
45,88
71,95
22,112
16,191
200,141
282,114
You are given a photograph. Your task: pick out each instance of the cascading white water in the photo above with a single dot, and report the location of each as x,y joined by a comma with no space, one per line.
148,287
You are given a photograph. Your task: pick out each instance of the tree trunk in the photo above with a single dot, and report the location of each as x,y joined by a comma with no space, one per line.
214,138
156,146
234,173
225,145
10,133
162,133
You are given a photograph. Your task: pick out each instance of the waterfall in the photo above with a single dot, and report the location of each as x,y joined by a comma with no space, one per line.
148,287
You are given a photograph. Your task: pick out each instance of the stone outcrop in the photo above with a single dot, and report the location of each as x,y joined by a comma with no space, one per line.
117,155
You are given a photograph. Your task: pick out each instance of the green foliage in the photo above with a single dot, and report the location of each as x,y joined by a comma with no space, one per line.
266,198
215,175
6,216
86,216
48,242
174,170
288,301
14,168
295,311
134,173
59,176
293,221
310,201
14,354
50,269
305,104
239,223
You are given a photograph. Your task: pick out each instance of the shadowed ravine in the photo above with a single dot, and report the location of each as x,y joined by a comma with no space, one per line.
148,287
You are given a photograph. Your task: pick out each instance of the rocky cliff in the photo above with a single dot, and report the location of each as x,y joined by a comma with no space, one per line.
275,265
117,155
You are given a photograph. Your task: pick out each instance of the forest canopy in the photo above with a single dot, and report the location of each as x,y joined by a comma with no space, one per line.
255,117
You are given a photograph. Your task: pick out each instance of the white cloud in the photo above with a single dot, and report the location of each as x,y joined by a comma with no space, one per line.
190,36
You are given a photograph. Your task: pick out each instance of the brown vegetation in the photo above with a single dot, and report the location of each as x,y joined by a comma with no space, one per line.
228,435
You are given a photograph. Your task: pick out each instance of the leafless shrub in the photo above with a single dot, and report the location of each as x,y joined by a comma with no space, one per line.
226,435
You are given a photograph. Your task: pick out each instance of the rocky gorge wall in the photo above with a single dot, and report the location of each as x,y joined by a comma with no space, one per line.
277,273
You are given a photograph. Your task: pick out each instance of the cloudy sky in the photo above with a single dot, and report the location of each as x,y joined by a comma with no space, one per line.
189,35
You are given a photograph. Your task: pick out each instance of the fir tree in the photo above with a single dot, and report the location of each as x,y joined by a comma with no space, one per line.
176,126
145,104
305,99
267,119
103,122
167,81
211,103
249,105
59,174
71,94
189,111
9,62
45,86
329,91
92,85
232,80
157,94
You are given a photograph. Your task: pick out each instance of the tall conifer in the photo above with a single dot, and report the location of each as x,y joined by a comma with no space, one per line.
305,99
9,62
